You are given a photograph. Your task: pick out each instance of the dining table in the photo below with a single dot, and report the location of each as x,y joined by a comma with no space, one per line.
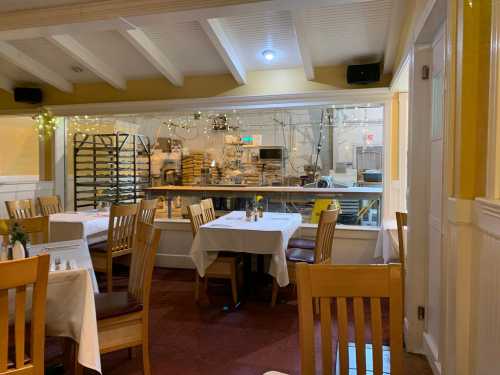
70,309
91,225
268,235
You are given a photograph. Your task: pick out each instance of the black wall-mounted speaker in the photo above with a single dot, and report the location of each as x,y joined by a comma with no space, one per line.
363,74
28,95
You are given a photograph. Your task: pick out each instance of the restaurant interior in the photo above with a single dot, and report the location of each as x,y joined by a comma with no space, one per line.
249,187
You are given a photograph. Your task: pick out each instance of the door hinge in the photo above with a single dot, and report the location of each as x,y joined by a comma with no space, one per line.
421,312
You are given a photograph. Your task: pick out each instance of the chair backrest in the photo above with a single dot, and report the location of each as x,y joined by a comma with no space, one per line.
16,276
37,228
328,282
143,259
195,214
324,236
122,222
207,206
50,205
20,209
402,222
147,211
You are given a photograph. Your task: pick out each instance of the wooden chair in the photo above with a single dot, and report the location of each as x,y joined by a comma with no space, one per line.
224,267
50,205
147,211
321,253
328,282
37,228
17,275
207,206
20,209
402,222
122,223
123,317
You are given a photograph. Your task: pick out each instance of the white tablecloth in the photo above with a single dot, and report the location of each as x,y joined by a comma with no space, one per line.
70,300
268,235
89,225
387,246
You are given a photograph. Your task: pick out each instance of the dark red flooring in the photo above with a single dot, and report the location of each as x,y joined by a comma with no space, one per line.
190,339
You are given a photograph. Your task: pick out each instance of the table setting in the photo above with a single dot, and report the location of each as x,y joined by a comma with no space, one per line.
235,232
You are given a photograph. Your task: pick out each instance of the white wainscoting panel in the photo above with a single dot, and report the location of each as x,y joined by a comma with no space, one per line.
22,187
351,245
486,289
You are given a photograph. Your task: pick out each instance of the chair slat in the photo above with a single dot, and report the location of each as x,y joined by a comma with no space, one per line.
4,328
326,334
359,330
343,335
20,325
396,319
376,318
306,323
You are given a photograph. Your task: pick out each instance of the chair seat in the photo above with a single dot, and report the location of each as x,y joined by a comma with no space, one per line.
301,243
101,246
111,305
300,255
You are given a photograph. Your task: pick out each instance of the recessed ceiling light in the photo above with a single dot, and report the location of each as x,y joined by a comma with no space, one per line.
269,55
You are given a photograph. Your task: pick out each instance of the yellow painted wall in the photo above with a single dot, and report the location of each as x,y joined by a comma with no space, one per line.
473,91
18,147
286,81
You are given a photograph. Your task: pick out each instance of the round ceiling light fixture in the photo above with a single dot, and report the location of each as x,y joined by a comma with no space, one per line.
269,55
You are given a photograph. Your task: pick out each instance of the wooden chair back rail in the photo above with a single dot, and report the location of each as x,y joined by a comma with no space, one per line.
147,211
195,214
20,209
207,206
122,221
50,205
328,282
143,259
16,275
324,236
37,228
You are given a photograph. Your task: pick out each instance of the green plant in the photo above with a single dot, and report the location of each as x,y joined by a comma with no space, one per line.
17,234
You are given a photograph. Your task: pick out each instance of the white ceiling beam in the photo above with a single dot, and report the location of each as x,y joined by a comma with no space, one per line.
219,38
305,53
88,59
141,41
6,84
398,12
30,65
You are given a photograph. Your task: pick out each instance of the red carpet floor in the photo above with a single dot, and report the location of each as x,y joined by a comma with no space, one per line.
190,339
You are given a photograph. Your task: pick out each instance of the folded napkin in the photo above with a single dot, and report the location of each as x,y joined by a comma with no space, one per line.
18,251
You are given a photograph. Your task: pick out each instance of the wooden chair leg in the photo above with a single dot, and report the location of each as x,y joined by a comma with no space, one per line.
146,364
205,284
274,296
234,284
196,286
109,275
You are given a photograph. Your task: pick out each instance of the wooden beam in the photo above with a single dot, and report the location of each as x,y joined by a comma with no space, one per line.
30,65
6,84
305,54
219,38
87,58
154,55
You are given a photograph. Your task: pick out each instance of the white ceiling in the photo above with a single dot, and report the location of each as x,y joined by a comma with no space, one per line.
344,32
256,33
